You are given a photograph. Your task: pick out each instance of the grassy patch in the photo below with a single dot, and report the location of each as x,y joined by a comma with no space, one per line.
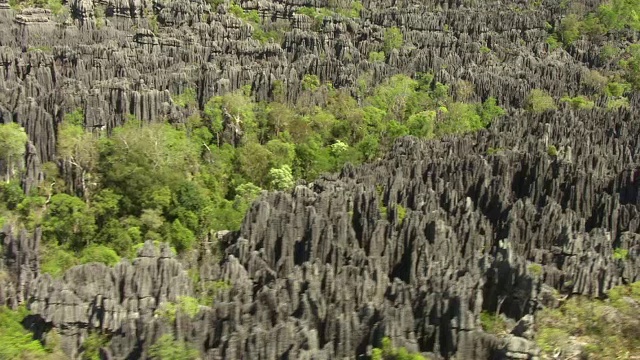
609,329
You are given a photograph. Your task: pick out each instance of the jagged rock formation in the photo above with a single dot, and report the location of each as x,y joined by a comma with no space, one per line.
326,270
120,64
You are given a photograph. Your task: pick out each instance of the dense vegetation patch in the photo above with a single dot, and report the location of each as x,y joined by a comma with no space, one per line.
388,352
181,182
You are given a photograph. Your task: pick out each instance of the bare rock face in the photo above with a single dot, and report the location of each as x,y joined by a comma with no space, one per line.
19,265
113,300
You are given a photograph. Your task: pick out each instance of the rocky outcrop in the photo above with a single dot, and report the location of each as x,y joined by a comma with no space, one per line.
124,57
19,264
414,246
119,300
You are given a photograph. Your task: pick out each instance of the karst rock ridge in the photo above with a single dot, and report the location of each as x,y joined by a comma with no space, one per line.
327,269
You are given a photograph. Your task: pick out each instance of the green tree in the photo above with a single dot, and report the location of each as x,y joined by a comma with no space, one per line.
369,147
489,111
78,148
188,98
392,39
182,238
13,140
283,153
421,124
310,82
281,178
396,97
69,222
99,254
254,162
539,101
55,260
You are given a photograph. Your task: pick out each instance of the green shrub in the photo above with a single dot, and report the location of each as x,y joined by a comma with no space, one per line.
608,327
310,82
375,56
55,6
168,348
579,102
492,323
392,39
616,89
16,342
402,212
552,42
613,104
620,254
186,305
549,339
100,254
539,101
552,150
186,99
485,50
535,270
388,352
92,344
55,260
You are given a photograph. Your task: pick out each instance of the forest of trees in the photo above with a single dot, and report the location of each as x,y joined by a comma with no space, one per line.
107,193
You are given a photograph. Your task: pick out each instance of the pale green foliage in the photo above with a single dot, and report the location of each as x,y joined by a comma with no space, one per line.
620,14
549,339
338,148
552,150
100,254
247,192
237,106
421,124
310,82
608,328
158,145
376,56
388,352
492,323
540,101
181,237
167,348
620,254
68,221
579,102
392,39
92,344
535,269
616,89
13,140
188,98
281,178
55,261
395,97
76,146
402,212
621,103
185,305
16,343
76,117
